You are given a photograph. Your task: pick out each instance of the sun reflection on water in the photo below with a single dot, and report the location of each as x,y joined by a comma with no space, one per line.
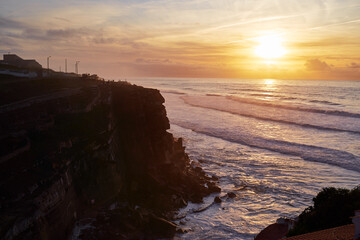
269,81
268,87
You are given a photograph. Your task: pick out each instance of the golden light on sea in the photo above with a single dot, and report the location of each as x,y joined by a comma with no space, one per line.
269,81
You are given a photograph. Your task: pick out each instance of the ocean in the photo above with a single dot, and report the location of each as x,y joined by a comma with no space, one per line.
274,143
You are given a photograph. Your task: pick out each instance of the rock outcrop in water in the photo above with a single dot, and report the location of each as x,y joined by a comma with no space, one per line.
96,154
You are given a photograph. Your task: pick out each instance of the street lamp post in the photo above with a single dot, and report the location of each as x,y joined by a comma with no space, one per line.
48,65
77,67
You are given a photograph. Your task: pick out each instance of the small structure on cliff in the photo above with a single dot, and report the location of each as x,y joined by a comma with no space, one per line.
14,65
16,61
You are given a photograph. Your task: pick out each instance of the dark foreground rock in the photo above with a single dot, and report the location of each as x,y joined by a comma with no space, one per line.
67,156
231,195
126,223
217,199
274,231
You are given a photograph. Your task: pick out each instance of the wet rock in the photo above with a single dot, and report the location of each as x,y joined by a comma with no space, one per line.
214,178
181,230
198,169
161,226
217,199
213,187
273,231
231,194
182,202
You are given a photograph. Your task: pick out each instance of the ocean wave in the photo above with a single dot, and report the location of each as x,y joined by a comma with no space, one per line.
220,107
289,98
264,95
297,108
281,97
172,91
330,156
250,90
269,95
325,102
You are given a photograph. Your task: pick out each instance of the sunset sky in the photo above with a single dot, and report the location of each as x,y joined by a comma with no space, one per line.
314,39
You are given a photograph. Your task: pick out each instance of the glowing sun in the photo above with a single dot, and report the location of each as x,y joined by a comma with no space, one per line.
270,47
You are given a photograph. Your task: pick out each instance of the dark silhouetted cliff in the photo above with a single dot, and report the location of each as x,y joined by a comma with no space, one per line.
91,150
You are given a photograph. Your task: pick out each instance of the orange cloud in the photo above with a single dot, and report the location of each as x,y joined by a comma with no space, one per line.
317,65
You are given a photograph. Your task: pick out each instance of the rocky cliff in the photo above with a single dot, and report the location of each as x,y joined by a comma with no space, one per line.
91,153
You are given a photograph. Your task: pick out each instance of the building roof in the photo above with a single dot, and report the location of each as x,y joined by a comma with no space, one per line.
16,61
345,232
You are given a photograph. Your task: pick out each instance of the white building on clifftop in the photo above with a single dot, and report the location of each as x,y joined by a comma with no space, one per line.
14,65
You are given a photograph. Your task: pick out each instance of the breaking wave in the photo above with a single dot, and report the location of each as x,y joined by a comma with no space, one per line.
307,152
297,108
277,113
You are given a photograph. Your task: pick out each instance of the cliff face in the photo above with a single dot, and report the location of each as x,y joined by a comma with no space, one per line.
153,161
70,155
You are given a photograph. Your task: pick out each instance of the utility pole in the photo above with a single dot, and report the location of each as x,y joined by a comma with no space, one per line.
65,65
48,65
77,67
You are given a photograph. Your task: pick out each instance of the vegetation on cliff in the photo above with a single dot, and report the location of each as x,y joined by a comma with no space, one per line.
332,207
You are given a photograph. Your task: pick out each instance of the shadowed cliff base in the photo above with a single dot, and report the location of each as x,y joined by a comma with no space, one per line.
95,155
